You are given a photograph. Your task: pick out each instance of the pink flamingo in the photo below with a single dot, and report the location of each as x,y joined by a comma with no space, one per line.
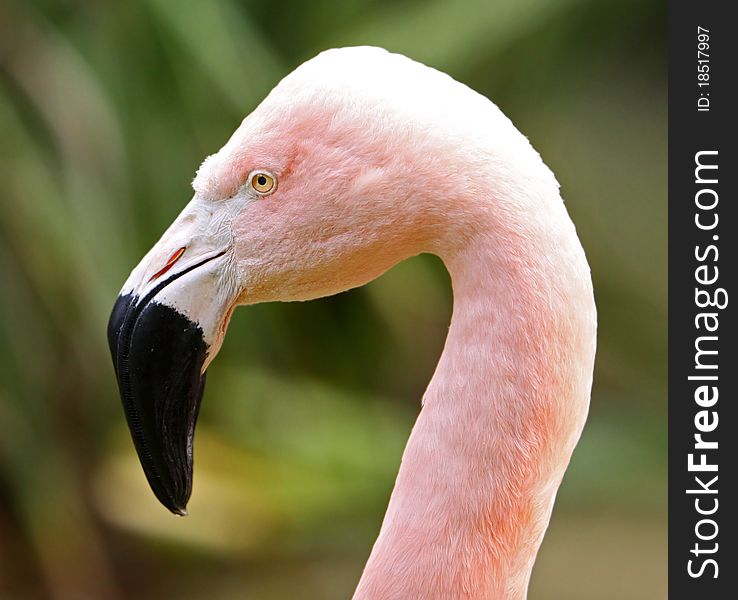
355,161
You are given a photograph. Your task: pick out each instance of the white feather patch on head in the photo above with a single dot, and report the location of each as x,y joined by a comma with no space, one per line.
372,90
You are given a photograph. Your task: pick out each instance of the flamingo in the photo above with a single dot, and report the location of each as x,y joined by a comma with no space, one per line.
357,160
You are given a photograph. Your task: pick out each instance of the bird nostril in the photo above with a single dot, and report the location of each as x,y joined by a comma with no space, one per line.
169,264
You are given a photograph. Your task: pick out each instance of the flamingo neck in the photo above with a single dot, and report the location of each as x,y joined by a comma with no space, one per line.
500,417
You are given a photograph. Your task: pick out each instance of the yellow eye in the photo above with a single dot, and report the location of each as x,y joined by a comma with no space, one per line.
263,183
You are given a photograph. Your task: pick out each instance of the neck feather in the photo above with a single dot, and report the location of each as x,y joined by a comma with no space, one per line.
502,413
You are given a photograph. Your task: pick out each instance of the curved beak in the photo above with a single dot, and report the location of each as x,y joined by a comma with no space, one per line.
166,326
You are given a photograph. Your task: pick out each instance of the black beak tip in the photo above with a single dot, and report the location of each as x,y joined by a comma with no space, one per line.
158,354
176,507
174,497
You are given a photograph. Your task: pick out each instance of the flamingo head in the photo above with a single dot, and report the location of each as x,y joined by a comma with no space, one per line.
312,195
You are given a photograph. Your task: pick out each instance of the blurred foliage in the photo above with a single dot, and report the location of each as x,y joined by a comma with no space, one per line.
106,110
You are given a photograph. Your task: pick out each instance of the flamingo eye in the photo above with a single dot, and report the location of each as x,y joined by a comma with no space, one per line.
262,182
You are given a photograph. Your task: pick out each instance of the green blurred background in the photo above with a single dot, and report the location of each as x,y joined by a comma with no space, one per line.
106,110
